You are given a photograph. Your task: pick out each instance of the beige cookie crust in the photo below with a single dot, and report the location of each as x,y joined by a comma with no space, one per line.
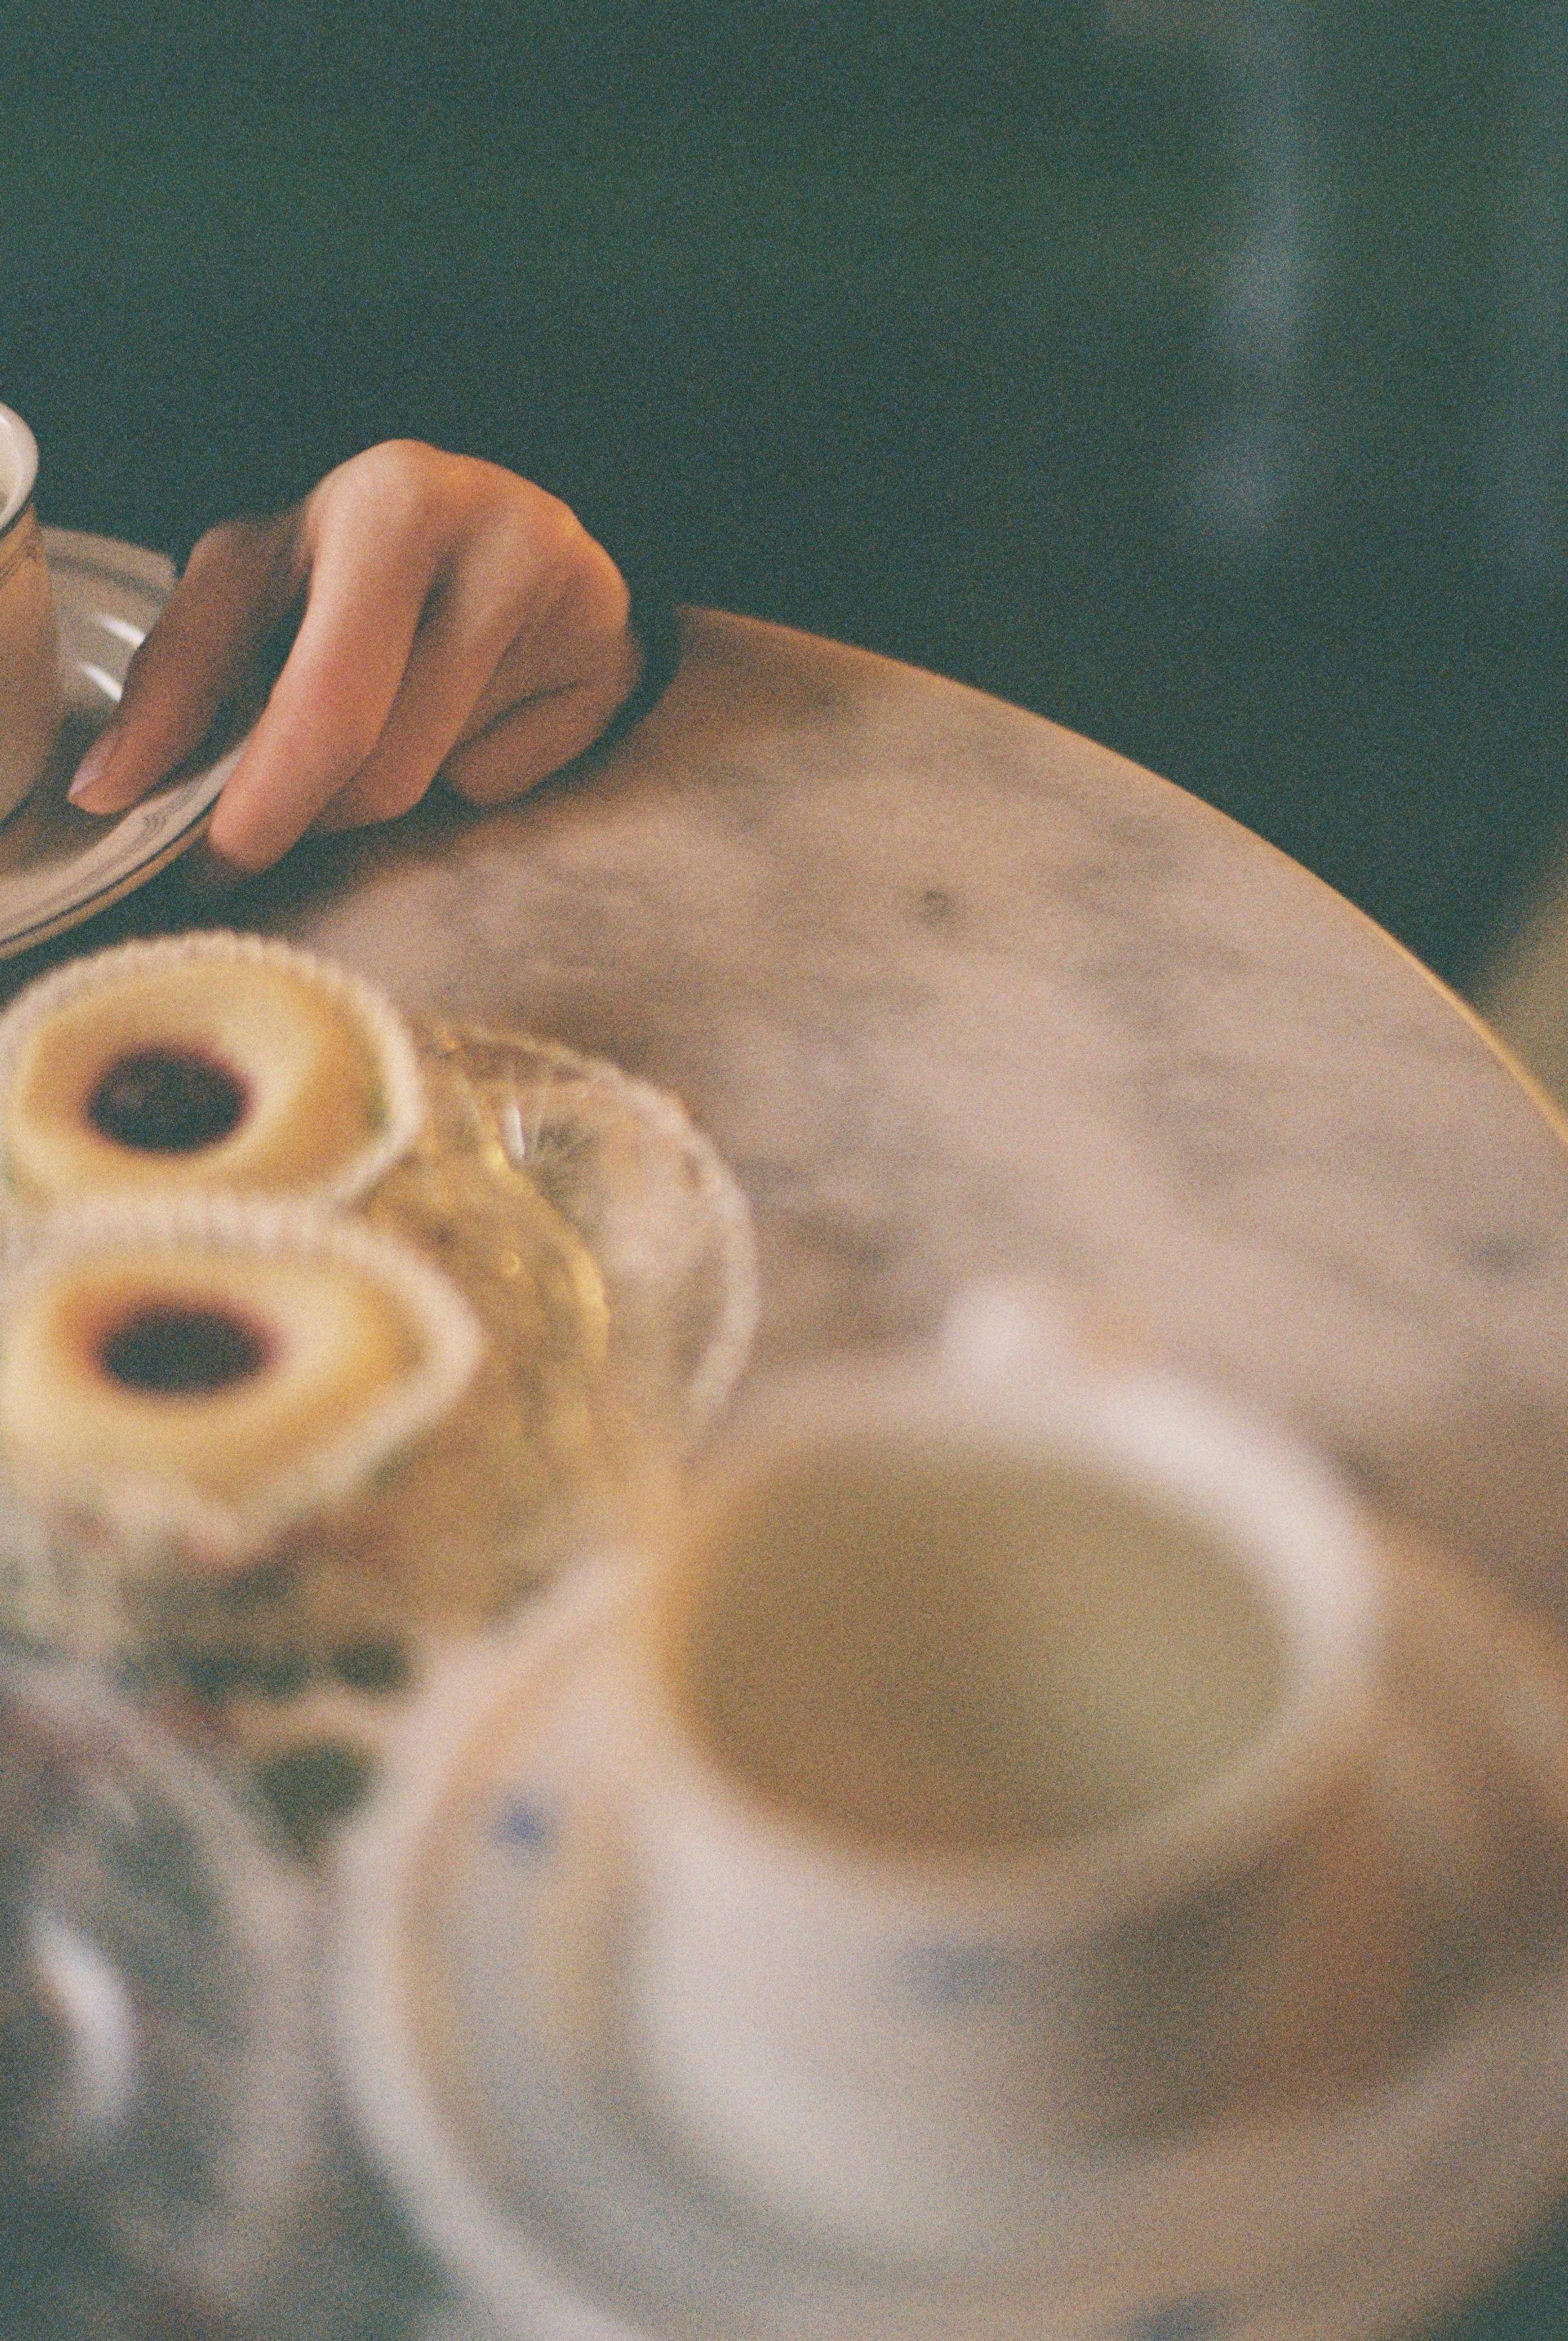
327,1073
363,1350
333,1340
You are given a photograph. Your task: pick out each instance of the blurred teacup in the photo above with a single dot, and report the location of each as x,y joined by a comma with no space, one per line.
985,1752
29,686
1014,1860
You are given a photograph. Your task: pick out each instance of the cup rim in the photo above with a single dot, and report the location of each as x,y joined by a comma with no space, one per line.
14,432
1320,1577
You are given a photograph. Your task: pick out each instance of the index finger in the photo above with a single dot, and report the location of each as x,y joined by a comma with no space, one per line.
367,590
237,584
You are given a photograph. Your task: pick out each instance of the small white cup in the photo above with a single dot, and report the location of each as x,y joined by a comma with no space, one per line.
981,1753
29,682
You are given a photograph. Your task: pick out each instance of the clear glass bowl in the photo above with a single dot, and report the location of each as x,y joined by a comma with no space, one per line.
155,2029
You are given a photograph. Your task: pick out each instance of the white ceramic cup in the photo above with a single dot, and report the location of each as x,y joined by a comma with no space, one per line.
29,684
979,1756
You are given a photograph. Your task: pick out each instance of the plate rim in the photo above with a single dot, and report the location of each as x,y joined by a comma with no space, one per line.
152,574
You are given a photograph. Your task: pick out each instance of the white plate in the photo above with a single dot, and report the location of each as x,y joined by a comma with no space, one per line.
58,866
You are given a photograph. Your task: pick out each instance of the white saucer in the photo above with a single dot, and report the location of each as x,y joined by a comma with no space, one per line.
58,866
477,1939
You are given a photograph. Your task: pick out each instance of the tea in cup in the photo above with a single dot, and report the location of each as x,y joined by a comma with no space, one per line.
29,685
952,1716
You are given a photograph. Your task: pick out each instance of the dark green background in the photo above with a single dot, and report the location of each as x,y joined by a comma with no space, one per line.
897,321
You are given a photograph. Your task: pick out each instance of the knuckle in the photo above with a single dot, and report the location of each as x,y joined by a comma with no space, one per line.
525,530
564,581
398,479
593,602
248,538
246,562
214,545
394,462
564,544
606,598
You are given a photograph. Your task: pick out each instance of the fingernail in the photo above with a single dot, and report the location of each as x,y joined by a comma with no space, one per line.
92,767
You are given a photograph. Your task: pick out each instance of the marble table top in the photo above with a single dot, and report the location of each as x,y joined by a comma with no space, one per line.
957,991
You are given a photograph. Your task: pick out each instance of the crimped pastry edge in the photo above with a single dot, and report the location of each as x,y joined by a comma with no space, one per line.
387,1035
143,1522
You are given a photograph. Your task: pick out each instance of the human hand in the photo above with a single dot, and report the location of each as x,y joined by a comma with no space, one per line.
454,618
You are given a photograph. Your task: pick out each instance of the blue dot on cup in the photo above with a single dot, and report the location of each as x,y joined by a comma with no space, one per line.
525,1826
1178,2320
957,1978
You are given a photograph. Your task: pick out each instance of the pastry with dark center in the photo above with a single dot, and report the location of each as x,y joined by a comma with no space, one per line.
213,1370
198,1062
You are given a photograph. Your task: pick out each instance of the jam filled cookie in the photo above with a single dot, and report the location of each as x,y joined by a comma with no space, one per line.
196,1377
203,1061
